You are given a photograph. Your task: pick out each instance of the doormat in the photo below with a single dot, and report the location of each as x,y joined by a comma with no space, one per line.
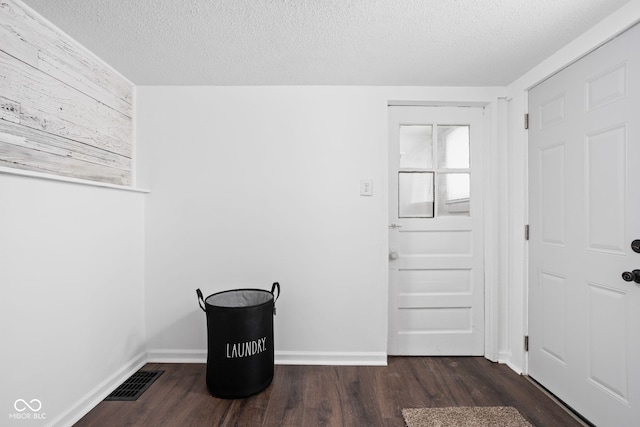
133,388
494,416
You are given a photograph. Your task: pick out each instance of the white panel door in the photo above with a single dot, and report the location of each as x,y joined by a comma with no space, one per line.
436,288
584,207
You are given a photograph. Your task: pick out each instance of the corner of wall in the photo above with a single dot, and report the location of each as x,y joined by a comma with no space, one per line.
98,394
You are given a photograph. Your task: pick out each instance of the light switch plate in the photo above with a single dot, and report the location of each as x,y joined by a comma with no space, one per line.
366,187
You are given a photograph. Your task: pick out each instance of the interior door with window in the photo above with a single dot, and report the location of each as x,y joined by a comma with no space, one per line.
436,288
584,212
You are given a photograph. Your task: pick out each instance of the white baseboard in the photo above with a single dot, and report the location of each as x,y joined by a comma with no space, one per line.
176,356
507,359
97,395
330,358
281,357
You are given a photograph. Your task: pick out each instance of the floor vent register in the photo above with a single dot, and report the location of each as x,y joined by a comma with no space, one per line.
133,387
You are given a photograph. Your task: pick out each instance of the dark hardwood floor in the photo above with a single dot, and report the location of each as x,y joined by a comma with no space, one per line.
333,396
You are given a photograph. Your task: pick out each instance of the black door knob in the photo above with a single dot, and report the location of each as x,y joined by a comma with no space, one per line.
631,276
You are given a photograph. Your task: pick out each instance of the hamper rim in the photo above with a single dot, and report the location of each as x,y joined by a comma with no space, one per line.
240,307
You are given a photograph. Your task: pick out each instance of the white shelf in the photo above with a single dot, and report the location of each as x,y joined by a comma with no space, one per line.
49,177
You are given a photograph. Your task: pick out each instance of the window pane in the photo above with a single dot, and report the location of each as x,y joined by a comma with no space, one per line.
453,194
416,146
415,194
453,147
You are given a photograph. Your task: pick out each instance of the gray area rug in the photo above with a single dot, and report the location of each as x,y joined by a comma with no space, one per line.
494,416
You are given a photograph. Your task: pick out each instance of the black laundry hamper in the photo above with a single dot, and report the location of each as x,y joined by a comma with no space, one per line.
239,340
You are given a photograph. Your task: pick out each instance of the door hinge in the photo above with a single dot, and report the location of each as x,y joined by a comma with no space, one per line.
526,121
526,232
526,343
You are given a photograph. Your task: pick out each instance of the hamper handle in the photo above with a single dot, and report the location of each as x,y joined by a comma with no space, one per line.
200,300
275,285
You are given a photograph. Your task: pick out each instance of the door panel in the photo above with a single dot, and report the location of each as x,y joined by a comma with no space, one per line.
436,291
448,242
607,340
553,333
584,199
552,193
605,187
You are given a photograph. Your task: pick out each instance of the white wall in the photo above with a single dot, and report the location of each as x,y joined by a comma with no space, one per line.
72,288
251,185
515,295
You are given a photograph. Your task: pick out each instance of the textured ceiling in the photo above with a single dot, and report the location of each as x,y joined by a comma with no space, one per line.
324,42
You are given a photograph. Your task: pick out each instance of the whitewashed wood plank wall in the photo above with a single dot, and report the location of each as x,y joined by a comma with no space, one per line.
62,111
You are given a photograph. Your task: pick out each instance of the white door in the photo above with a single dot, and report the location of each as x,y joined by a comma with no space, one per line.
584,207
436,287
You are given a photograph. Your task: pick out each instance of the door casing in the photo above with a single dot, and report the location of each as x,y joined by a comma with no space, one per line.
496,115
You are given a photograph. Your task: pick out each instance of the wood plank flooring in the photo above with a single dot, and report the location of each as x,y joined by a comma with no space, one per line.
333,396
